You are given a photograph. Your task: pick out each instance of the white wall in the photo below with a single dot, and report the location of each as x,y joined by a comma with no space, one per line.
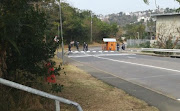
167,26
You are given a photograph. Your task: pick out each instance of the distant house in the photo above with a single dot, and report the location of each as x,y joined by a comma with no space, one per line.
167,25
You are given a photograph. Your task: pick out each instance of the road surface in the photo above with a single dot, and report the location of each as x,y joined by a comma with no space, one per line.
155,80
161,74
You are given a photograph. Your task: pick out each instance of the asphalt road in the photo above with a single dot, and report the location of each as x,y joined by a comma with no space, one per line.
159,74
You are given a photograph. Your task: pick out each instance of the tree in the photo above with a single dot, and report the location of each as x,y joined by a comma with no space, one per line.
22,30
120,32
23,52
133,29
77,24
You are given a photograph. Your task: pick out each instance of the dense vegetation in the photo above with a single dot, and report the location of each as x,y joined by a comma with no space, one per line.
77,24
27,31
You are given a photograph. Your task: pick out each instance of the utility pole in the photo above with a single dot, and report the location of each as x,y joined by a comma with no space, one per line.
138,38
58,38
58,30
60,20
91,28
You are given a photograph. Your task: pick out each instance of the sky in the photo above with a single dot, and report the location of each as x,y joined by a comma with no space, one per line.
106,7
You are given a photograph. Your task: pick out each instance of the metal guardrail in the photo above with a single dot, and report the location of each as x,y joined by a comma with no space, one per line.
41,93
161,50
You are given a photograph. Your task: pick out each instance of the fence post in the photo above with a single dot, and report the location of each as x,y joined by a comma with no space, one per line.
57,105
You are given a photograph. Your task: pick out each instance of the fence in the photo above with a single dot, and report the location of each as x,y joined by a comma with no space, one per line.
173,51
41,93
136,42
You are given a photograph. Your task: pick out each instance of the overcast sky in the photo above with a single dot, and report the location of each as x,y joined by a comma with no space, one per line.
114,6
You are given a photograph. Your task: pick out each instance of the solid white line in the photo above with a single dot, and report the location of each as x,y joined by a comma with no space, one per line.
79,56
131,57
140,64
112,55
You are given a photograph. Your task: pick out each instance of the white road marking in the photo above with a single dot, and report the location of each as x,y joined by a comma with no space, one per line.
178,99
105,51
111,51
82,51
100,51
93,51
131,57
112,55
75,51
140,64
79,56
87,55
88,51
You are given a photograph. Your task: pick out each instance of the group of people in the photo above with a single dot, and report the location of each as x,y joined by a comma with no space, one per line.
122,47
76,44
85,46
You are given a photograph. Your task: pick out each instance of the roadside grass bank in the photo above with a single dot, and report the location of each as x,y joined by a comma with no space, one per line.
95,95
91,93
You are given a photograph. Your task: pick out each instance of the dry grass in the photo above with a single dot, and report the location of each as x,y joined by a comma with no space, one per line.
94,95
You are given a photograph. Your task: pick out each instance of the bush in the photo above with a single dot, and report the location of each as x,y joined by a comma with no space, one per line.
145,45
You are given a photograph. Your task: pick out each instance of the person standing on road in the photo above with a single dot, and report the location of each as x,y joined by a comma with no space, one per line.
69,47
117,46
123,46
84,46
77,45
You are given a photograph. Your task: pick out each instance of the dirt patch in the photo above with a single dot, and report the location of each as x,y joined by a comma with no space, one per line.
95,95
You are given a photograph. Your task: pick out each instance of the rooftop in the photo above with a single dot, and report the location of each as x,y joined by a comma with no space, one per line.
109,39
166,14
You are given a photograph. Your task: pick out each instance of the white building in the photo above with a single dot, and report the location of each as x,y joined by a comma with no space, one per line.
167,25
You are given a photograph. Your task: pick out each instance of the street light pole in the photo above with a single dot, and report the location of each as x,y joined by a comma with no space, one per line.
60,20
91,28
